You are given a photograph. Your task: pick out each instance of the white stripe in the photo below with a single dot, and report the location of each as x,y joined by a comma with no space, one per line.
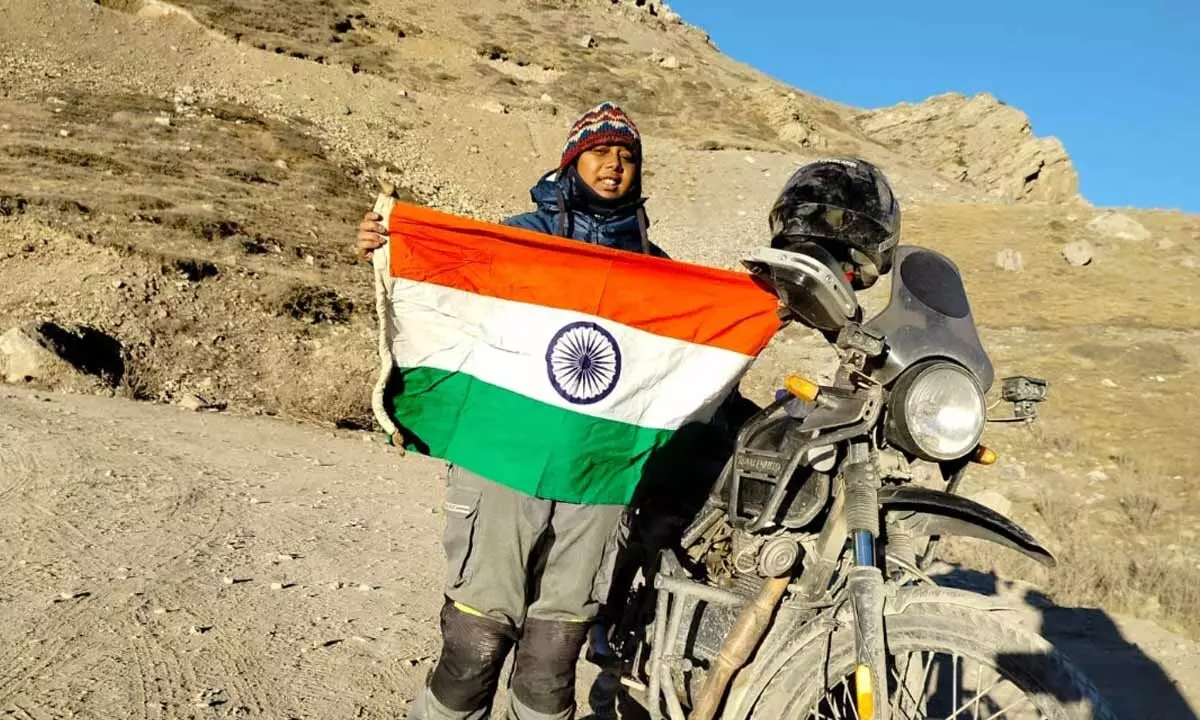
663,382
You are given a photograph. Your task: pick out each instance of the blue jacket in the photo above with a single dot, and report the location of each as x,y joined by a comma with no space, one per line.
561,211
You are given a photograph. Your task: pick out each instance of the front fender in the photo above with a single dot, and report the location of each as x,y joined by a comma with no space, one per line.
933,512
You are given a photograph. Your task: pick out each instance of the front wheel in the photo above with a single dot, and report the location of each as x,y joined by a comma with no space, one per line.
945,661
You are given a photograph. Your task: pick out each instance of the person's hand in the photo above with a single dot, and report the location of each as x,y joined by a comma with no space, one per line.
372,234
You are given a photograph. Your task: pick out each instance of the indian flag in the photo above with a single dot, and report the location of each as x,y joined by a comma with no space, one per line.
552,366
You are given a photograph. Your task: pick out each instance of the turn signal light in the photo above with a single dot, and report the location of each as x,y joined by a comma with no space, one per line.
985,456
806,390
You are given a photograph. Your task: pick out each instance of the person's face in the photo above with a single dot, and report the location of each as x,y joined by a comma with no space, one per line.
609,170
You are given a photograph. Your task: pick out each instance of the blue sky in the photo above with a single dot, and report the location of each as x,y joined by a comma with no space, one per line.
1117,83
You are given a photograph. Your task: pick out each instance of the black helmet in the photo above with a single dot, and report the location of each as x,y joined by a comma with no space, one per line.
846,206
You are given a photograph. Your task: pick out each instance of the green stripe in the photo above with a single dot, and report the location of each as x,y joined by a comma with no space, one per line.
530,446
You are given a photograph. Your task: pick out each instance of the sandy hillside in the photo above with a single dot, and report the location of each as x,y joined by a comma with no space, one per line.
178,186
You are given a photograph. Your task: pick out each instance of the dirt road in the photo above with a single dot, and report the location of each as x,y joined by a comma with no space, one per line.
160,563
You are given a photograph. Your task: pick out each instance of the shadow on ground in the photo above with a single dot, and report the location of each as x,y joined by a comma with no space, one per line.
1133,683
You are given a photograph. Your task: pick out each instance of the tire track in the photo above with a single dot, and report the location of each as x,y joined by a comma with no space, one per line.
243,677
19,712
19,465
143,689
62,645
24,666
162,674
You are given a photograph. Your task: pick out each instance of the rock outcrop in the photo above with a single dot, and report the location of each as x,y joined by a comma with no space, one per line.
980,141
651,8
790,116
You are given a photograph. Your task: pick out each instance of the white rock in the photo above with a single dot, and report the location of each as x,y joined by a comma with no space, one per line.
1108,383
587,42
43,352
1010,260
1097,476
670,62
23,357
163,120
1078,253
192,402
1119,226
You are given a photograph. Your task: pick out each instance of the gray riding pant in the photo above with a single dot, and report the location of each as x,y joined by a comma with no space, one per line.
512,558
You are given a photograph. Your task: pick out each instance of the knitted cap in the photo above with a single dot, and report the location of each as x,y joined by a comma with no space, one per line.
605,124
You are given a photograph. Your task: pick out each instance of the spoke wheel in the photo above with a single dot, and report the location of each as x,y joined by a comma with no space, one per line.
946,662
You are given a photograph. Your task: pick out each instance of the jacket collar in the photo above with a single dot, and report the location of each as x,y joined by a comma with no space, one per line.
556,191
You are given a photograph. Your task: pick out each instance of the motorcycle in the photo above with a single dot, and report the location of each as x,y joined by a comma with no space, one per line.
798,591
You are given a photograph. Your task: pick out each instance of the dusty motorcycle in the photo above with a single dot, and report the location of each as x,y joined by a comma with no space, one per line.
798,591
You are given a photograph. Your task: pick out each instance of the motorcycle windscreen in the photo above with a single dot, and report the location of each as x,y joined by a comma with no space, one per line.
929,316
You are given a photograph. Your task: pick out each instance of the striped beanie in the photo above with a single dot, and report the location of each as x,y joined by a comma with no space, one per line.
605,124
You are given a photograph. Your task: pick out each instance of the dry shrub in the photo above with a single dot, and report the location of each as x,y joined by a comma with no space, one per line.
1149,584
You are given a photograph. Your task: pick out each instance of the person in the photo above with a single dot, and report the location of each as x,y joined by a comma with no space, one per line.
525,573
594,195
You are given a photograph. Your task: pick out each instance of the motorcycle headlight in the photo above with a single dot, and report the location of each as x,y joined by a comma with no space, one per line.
937,411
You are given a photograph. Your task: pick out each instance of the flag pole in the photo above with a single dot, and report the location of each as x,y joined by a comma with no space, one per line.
381,262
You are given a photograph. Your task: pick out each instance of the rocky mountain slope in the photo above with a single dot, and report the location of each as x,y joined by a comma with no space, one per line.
179,184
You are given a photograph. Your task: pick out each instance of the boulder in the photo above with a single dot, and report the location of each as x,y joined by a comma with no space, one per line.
1078,253
1010,260
1119,227
70,357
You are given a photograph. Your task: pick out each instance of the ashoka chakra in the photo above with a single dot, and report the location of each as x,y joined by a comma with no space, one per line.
584,363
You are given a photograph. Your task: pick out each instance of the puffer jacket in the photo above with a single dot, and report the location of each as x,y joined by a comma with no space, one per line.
560,211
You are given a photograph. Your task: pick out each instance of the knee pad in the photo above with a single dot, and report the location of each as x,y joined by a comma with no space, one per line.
543,676
473,653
